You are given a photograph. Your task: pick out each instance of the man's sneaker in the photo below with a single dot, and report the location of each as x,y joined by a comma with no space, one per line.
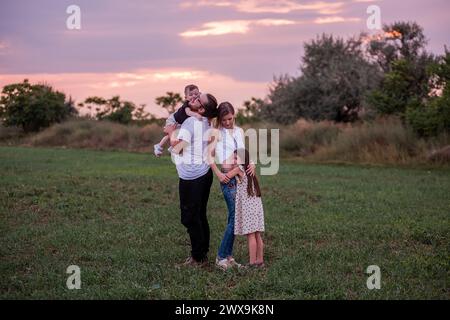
222,264
233,263
158,150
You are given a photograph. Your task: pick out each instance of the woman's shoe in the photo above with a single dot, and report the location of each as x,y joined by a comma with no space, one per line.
222,264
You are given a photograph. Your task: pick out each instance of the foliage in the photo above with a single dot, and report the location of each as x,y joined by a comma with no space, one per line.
400,40
431,116
251,111
335,78
33,107
112,109
169,101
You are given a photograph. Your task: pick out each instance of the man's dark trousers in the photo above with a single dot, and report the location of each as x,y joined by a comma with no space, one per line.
194,195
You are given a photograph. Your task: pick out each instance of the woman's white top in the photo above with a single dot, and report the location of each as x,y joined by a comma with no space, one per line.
228,141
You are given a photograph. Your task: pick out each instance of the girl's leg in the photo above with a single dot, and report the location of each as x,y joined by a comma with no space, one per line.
260,248
252,247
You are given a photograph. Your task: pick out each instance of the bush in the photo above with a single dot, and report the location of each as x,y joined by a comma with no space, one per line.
84,133
10,133
305,137
428,120
386,140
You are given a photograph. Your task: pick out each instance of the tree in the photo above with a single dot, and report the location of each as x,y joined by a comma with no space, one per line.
112,109
33,107
140,114
283,101
400,40
252,111
333,85
403,58
431,115
169,101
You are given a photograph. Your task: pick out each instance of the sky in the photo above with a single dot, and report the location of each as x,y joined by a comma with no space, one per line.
142,49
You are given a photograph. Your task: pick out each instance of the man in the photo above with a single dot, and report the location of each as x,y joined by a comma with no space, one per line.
195,175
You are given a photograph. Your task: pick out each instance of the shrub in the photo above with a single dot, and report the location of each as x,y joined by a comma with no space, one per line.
85,133
385,140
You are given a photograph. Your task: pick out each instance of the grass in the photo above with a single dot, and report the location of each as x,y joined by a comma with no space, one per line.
116,216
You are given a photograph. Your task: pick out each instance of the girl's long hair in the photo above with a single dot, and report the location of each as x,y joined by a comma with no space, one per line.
252,182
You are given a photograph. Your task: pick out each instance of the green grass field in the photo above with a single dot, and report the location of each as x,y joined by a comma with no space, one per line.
116,216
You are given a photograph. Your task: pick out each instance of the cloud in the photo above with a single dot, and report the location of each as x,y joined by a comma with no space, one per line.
358,1
335,20
270,6
218,28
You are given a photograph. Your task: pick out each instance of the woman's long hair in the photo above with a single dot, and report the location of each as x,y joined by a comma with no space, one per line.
252,182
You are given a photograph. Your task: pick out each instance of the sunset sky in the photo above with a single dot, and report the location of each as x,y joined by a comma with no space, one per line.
141,49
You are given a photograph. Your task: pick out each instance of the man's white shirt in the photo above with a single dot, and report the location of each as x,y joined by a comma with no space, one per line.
191,164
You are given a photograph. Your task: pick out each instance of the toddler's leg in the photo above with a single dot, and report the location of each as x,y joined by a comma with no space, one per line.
252,247
260,248
164,140
158,148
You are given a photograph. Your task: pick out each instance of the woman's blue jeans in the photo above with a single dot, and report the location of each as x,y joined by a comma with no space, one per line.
229,193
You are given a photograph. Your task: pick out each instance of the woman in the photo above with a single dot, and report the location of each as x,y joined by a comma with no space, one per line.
226,139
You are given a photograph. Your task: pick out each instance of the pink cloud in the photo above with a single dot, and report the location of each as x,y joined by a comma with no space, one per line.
218,28
270,6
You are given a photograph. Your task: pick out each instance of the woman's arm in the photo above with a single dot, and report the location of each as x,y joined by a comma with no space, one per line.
223,178
251,170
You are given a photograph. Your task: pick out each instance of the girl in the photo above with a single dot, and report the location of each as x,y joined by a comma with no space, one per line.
249,213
